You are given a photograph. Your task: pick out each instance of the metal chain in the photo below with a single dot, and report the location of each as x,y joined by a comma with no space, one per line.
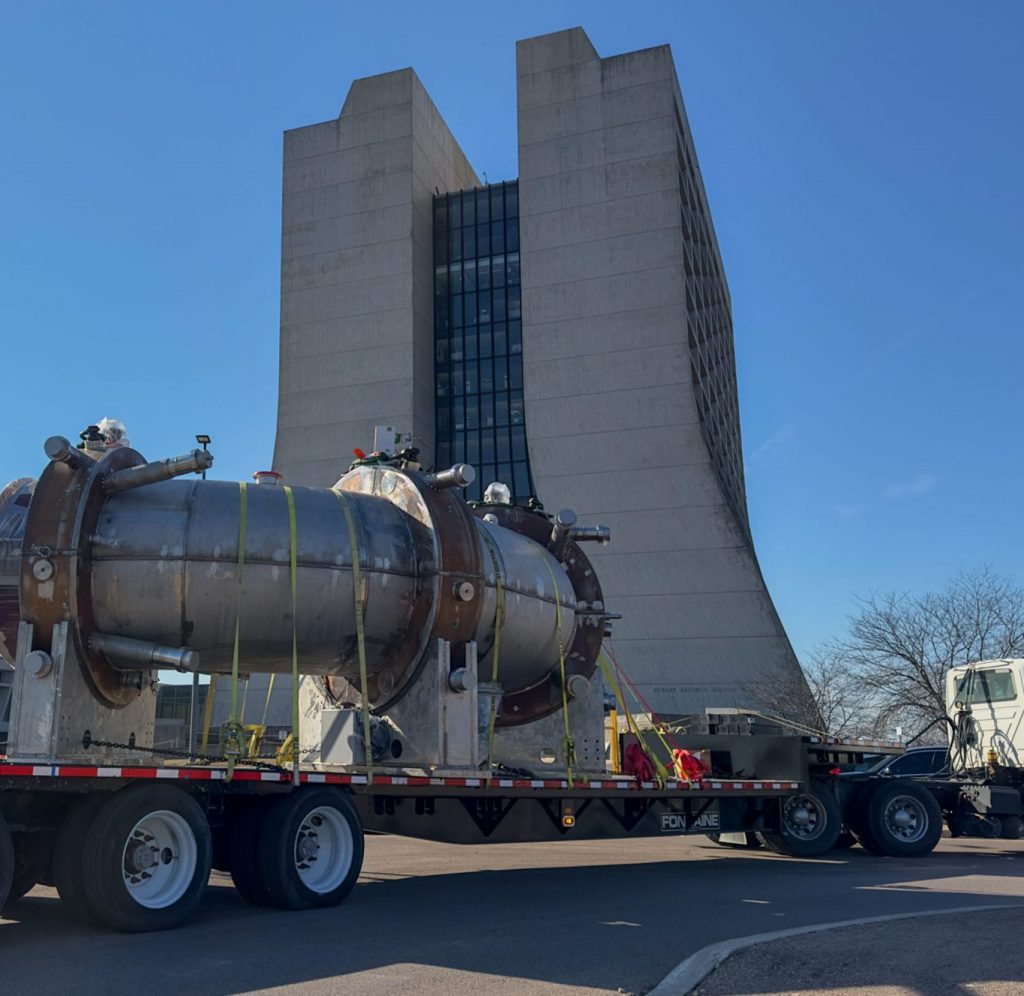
87,742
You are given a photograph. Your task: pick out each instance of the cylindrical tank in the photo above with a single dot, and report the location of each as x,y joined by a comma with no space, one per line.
160,563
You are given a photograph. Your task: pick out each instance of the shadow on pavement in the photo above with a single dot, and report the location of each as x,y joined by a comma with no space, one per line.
602,924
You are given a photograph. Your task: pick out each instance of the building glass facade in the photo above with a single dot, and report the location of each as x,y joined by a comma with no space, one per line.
478,338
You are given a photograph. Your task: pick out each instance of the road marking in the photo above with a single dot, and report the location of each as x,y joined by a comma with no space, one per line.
690,973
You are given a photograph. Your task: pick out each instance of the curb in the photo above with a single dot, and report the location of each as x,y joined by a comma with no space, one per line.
692,971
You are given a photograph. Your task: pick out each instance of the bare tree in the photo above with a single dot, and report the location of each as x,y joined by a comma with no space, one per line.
899,647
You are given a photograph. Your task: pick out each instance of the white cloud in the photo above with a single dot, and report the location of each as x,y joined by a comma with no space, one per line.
918,485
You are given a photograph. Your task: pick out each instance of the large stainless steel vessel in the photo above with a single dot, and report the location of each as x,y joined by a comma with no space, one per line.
148,569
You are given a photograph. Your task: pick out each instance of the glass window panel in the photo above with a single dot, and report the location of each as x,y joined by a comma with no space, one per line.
512,235
469,308
483,240
512,268
498,236
514,307
472,377
500,340
522,488
457,351
459,449
497,200
483,202
440,221
483,274
512,199
499,307
487,411
454,213
501,373
501,410
442,385
458,420
519,442
473,415
444,418
442,352
486,341
505,474
469,208
498,271
483,309
440,247
515,337
504,446
515,403
487,447
440,281
472,448
469,241
486,475
458,378
469,344
442,313
515,373
486,376
455,245
469,275
455,277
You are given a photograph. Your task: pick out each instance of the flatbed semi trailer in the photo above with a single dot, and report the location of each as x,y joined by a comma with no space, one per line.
132,845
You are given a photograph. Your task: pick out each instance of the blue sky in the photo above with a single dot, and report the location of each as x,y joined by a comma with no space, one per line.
863,163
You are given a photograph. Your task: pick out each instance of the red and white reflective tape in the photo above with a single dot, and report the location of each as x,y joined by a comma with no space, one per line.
333,778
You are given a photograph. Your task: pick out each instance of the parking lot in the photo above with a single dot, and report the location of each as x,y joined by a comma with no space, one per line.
576,917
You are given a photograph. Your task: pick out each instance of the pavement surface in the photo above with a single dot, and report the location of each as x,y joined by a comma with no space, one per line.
979,954
568,918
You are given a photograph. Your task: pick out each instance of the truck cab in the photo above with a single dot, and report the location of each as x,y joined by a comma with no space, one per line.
990,694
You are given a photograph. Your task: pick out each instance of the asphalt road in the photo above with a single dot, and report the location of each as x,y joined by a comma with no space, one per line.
573,917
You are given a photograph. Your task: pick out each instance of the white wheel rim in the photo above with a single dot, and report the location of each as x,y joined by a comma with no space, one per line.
906,819
804,817
159,859
323,849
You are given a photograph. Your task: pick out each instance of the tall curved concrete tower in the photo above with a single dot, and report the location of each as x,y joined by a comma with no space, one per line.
568,332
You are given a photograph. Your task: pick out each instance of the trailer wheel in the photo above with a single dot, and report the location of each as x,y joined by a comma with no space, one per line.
146,858
809,825
6,862
311,849
246,871
67,856
904,819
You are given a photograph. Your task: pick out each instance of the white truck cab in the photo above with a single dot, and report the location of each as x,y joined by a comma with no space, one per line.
992,694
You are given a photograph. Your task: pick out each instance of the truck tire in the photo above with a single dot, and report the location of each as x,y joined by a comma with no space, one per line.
246,871
311,848
6,862
904,819
146,858
67,856
810,824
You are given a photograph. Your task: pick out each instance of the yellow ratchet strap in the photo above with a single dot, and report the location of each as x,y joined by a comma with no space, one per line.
499,622
294,558
357,589
568,744
233,743
616,687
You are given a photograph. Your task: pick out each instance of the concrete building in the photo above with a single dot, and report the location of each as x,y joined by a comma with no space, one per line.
567,332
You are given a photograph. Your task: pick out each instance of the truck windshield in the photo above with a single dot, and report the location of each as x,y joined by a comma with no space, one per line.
986,686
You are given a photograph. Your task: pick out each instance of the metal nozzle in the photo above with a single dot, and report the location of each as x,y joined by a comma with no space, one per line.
459,476
158,470
60,450
592,534
561,533
127,654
